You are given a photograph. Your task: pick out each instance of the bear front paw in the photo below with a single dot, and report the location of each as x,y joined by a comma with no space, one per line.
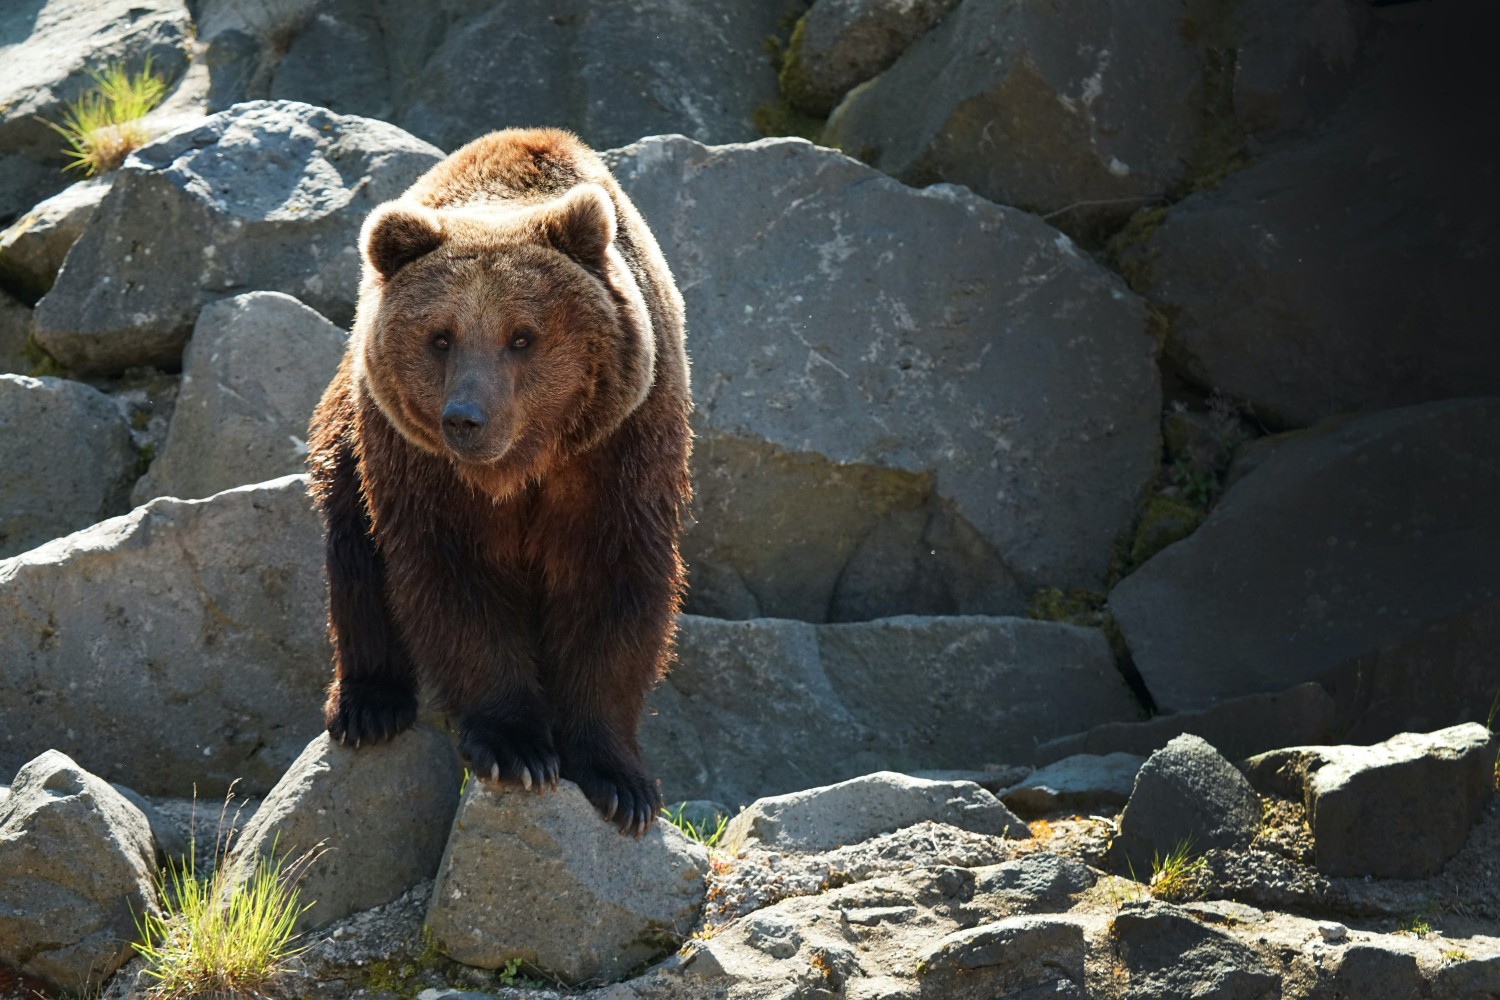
626,798
509,755
356,714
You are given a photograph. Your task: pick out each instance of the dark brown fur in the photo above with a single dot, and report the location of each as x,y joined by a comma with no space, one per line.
528,573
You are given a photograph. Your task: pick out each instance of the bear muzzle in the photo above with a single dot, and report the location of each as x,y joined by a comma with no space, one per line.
464,422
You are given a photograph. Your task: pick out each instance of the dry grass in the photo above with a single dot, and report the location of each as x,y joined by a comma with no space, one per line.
103,126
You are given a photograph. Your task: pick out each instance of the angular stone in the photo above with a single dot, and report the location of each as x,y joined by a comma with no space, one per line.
937,414
1399,809
541,878
769,706
1186,794
15,327
76,869
375,820
1035,882
853,811
841,43
1080,783
69,461
1373,972
1306,563
179,645
1007,958
252,374
263,196
1171,956
33,247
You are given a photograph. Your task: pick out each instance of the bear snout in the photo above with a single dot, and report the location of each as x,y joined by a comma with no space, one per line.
463,424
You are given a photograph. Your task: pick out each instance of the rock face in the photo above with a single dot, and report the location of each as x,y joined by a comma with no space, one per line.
263,196
1295,61
76,868
1399,809
252,373
376,817
179,645
767,707
1306,563
1186,793
69,460
958,381
1080,110
540,878
853,811
33,247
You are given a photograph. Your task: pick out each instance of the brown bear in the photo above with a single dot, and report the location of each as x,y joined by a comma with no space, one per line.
501,461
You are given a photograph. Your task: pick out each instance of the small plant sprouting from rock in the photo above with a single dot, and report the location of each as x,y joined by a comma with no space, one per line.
1417,925
103,126
701,833
1174,878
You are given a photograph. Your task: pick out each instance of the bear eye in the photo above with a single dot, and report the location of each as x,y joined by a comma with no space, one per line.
440,341
521,339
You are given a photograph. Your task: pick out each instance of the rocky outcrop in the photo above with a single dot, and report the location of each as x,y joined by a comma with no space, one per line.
264,196
252,373
937,414
1186,799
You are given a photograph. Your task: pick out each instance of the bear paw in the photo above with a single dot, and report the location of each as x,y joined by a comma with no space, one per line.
356,714
509,755
628,799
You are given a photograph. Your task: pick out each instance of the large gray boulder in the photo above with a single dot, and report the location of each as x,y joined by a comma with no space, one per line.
68,460
1341,541
541,878
77,865
1186,797
263,196
1398,809
252,373
371,822
179,645
767,707
33,247
935,414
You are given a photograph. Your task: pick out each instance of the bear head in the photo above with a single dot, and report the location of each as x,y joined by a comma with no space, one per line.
502,338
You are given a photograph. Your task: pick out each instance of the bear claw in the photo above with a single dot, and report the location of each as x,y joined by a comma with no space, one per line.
367,713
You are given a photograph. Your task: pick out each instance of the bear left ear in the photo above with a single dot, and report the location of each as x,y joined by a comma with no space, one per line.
395,235
580,224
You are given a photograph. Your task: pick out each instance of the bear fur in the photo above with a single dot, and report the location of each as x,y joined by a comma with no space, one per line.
501,462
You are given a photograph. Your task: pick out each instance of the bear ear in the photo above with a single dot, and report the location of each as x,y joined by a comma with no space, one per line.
580,224
395,235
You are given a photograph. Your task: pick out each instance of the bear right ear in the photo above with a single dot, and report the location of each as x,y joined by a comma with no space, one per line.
395,235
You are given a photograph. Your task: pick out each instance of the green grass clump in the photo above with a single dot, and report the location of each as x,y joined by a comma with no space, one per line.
1174,878
103,126
703,835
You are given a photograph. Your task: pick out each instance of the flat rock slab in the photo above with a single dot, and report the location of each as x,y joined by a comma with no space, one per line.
265,195
1079,783
907,401
179,645
1306,563
542,878
1398,809
77,868
764,707
1023,955
853,811
375,821
1186,796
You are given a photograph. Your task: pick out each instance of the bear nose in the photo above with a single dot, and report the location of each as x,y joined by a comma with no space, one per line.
462,419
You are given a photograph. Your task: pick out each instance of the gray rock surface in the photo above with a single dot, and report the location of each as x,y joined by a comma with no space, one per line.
959,380
15,327
33,247
771,706
179,645
1025,956
1307,562
541,878
252,373
1399,809
171,846
68,460
76,869
1171,956
1295,62
1186,793
1081,111
263,196
375,820
841,43
853,811
1080,783
1035,882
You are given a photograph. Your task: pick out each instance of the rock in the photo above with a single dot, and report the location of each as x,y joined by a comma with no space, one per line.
1035,882
540,878
179,645
252,374
1237,728
374,821
865,394
1164,520
1321,538
841,43
76,867
1011,957
1081,783
1080,112
69,460
1399,809
765,707
1295,62
1171,956
995,778
171,846
15,327
1466,978
33,247
262,196
853,811
1373,972
1186,794
48,48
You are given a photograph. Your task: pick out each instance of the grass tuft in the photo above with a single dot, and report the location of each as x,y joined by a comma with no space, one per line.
1174,878
703,835
103,126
